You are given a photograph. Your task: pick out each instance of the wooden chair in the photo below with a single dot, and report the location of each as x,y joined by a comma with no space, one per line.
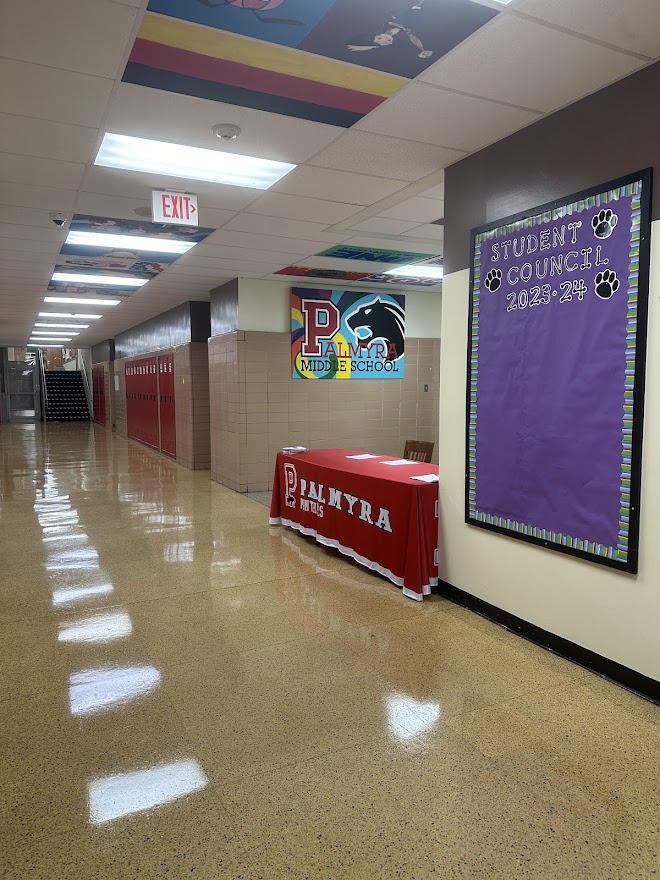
418,450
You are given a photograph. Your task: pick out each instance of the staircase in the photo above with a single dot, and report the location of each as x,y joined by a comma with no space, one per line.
66,400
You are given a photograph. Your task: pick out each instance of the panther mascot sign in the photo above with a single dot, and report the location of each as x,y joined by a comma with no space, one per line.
338,334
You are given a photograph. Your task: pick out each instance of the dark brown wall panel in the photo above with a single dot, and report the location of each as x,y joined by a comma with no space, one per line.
607,135
103,352
175,327
224,308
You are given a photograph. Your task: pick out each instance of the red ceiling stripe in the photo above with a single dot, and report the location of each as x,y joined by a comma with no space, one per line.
204,67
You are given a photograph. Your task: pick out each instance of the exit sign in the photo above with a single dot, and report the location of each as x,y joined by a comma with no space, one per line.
173,207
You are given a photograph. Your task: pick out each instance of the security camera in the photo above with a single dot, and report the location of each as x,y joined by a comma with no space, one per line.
58,219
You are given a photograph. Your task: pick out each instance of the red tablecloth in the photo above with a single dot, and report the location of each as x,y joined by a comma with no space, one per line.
370,510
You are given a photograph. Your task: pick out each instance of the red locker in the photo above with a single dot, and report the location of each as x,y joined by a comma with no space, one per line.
142,401
98,394
167,405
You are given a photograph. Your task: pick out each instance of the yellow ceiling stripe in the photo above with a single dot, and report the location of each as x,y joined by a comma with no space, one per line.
266,56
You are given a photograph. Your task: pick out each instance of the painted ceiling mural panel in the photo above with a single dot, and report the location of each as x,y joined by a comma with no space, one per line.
117,261
330,61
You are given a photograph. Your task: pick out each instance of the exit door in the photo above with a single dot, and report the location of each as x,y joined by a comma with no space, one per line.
166,402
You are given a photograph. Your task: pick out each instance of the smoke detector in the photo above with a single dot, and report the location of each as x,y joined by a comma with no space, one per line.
143,211
226,131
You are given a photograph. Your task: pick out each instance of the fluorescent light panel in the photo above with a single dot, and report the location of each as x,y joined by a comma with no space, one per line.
114,281
78,301
416,271
129,242
69,315
54,333
45,345
193,163
71,326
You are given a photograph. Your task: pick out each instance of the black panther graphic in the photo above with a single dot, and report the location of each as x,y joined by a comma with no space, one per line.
384,320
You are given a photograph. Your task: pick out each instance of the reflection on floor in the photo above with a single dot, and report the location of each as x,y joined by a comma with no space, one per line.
186,692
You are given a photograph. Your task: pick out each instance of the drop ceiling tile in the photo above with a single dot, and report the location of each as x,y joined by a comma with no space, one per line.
242,254
42,197
33,233
138,186
393,244
365,153
58,95
338,186
511,45
630,24
427,231
275,204
14,214
435,192
26,136
432,115
252,265
422,210
160,115
261,225
86,36
384,226
40,172
273,244
30,245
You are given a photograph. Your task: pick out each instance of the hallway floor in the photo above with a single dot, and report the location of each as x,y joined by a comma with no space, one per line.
187,692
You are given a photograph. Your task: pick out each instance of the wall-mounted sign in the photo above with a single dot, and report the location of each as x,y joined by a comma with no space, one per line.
556,372
343,334
173,207
371,255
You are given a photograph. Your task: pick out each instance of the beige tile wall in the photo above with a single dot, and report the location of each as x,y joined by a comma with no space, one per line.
191,389
257,408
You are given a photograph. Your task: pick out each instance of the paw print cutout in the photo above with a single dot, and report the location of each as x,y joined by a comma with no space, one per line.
493,280
603,223
606,284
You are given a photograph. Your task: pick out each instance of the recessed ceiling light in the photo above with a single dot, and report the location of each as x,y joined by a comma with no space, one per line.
54,334
193,163
69,315
416,271
78,301
45,345
129,242
114,281
46,341
72,326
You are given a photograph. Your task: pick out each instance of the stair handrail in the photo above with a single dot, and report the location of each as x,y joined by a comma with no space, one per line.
88,392
44,387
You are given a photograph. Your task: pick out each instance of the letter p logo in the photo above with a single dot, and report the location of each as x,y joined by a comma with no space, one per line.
321,322
290,484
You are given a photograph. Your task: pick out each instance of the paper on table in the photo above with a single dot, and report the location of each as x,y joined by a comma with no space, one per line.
292,450
427,478
363,456
400,461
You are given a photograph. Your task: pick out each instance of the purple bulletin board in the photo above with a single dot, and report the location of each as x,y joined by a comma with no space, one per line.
555,391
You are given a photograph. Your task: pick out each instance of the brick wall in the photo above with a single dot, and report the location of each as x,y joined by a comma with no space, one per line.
257,408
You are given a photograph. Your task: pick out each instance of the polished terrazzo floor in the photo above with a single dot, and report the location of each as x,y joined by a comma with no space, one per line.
186,692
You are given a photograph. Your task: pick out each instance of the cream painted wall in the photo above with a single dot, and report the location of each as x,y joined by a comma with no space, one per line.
265,305
613,614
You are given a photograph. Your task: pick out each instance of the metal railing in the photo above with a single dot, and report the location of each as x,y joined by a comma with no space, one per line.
44,387
88,391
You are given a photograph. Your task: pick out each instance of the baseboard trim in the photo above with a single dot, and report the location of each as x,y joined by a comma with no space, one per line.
642,685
